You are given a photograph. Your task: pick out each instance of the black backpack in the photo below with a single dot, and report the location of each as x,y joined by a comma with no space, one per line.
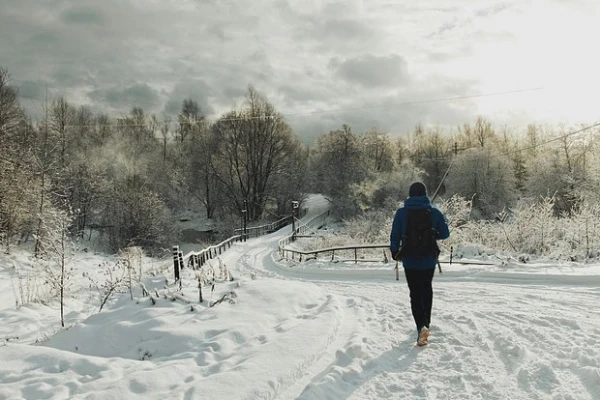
420,236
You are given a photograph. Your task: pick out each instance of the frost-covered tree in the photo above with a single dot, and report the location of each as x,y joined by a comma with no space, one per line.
483,132
136,216
564,171
386,191
253,146
336,165
56,247
201,181
378,153
17,162
431,152
486,177
291,180
189,118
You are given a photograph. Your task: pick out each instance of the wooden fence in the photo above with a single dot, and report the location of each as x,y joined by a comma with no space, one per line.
196,259
351,253
256,231
310,226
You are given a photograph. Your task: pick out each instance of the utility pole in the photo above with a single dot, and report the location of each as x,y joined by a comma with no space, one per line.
245,215
294,212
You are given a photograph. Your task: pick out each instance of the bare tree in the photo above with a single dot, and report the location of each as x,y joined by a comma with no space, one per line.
485,176
56,247
336,165
290,182
377,151
201,179
62,121
17,139
432,154
188,118
164,134
253,144
483,132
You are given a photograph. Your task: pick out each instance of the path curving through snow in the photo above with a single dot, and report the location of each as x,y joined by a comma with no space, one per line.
317,330
496,334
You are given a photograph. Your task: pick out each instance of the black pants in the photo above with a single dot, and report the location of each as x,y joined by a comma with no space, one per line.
421,295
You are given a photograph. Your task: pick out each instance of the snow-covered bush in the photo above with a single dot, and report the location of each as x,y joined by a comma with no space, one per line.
486,177
387,190
115,280
369,227
28,284
528,230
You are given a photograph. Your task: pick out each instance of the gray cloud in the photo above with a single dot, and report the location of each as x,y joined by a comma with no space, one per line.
305,57
335,34
137,95
370,70
425,102
195,89
34,90
82,15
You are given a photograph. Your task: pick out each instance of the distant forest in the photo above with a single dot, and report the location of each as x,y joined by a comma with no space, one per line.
127,177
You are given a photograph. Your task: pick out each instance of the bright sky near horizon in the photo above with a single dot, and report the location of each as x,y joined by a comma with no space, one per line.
364,59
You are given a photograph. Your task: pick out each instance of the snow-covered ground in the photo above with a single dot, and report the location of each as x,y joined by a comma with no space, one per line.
315,330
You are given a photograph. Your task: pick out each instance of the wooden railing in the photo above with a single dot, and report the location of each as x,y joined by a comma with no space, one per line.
353,252
196,259
256,231
311,225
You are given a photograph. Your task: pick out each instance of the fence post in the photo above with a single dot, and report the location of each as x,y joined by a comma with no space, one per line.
294,211
176,262
245,215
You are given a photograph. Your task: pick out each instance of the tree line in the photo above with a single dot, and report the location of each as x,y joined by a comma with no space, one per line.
126,177
493,169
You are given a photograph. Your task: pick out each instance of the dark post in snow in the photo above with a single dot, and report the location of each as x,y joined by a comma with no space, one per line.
294,212
200,289
245,220
180,255
176,262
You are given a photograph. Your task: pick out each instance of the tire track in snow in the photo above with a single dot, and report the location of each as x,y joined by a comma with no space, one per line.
483,350
533,338
259,260
489,338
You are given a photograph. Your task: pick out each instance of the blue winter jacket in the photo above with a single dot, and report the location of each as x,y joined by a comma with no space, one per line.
399,231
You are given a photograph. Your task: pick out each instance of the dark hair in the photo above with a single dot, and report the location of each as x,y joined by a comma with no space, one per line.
417,189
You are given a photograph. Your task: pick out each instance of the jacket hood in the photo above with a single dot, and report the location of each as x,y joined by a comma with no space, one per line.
417,202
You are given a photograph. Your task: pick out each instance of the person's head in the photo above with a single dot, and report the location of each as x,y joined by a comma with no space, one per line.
417,189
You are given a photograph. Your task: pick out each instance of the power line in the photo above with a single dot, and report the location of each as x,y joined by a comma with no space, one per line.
438,100
451,159
558,138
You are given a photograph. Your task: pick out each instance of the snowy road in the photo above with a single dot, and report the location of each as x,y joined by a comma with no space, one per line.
490,340
314,331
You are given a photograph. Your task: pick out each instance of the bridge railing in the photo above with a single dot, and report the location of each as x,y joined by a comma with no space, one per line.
196,259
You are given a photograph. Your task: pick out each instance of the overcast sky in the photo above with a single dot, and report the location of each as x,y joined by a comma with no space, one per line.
322,63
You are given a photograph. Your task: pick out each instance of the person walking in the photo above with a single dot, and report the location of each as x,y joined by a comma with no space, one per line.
413,240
